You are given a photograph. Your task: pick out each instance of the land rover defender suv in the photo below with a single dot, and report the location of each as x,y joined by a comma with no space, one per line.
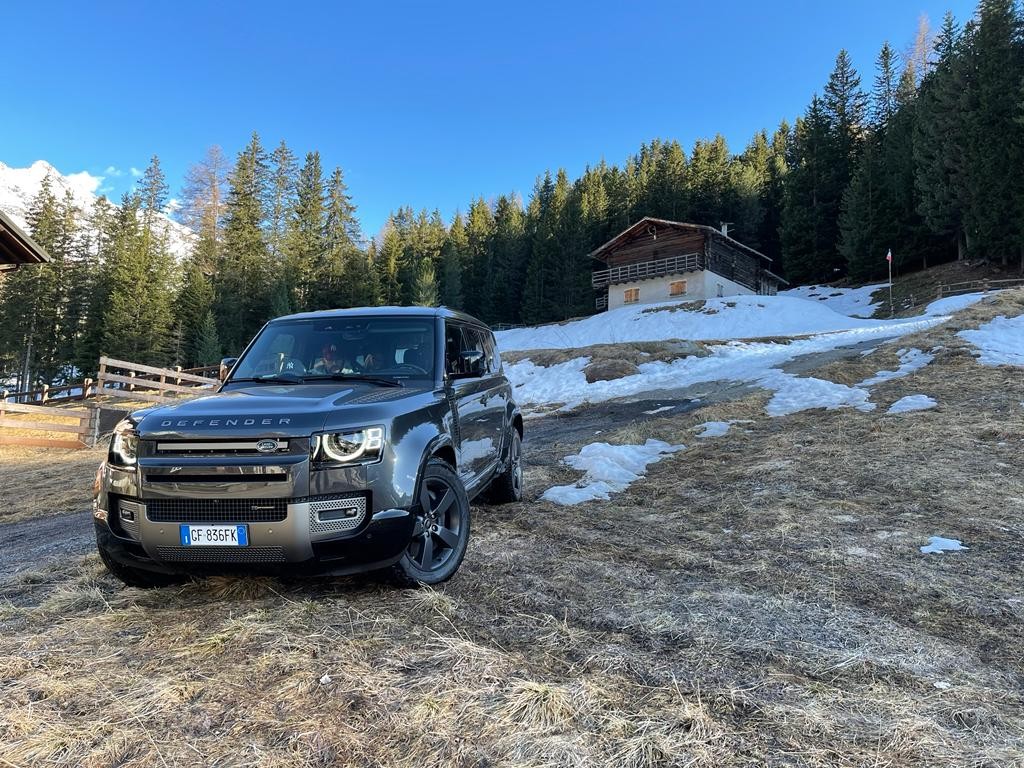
339,442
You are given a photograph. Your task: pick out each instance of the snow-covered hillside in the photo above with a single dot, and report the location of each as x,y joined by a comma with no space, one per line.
19,185
854,302
734,317
728,320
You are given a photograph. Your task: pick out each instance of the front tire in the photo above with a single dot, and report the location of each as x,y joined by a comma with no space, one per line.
133,577
441,536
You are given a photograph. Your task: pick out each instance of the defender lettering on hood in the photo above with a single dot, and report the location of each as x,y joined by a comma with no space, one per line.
232,422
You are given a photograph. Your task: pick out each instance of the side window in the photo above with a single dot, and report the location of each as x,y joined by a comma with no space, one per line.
491,348
460,339
453,347
631,296
474,342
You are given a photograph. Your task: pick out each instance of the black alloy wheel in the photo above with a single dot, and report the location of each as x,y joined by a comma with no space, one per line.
441,533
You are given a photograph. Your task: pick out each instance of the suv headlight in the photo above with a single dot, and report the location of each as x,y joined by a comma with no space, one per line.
358,446
124,445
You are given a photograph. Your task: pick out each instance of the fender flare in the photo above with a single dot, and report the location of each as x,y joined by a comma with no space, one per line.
432,447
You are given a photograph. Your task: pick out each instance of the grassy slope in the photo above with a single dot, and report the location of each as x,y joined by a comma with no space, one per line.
758,599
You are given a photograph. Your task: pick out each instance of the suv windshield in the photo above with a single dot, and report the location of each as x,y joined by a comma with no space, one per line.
389,348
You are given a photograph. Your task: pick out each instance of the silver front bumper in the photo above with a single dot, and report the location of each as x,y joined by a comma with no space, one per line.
289,539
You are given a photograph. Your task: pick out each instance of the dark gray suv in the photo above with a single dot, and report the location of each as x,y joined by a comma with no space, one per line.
339,442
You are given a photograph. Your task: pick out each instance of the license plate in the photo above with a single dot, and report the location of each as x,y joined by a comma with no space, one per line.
214,535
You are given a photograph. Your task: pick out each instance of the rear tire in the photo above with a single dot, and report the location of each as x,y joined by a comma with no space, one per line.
441,536
134,577
508,486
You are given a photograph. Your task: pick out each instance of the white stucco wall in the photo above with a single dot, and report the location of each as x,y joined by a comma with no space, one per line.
699,285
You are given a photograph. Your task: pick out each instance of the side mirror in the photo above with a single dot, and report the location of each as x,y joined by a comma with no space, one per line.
226,364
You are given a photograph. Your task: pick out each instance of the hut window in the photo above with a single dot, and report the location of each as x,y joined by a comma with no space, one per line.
631,296
677,288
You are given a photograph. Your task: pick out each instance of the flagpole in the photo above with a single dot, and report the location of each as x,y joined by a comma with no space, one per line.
892,309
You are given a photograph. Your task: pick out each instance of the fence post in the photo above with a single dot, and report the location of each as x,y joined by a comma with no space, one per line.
163,380
984,286
100,375
131,375
93,427
177,380
86,386
45,393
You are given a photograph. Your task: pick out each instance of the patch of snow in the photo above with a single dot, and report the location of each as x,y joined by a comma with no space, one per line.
910,360
943,685
718,428
662,409
713,428
609,469
999,341
798,393
912,403
853,302
952,304
938,545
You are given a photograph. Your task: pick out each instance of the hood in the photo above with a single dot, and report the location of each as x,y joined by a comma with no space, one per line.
276,411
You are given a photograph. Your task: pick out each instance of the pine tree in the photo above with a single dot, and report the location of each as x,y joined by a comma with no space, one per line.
29,298
884,95
388,259
244,273
284,169
426,284
809,211
476,268
453,254
207,344
994,141
304,248
507,259
939,141
194,302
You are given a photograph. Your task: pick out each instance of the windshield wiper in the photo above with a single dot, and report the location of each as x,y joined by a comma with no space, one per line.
355,377
285,378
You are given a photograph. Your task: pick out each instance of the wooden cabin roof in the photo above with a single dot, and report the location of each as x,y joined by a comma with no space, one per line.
16,247
646,221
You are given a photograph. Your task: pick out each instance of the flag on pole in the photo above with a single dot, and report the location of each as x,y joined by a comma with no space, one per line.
888,256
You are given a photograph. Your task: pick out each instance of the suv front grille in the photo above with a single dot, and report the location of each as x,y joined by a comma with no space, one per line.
217,510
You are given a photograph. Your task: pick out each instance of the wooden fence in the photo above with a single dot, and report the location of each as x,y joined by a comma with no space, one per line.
42,421
973,286
86,388
149,384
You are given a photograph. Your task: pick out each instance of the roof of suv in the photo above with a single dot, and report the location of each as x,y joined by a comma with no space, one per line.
444,312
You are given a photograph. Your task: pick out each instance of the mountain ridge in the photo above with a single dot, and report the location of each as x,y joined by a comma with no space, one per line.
18,186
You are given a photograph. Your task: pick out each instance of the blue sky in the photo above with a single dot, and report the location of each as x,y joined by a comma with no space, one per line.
421,104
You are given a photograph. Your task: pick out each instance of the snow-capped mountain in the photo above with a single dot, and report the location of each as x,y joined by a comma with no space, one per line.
18,186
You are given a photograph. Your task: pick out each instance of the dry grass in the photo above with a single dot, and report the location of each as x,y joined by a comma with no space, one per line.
758,599
43,481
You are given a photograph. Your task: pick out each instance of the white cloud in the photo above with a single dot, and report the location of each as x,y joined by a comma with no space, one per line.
135,171
172,206
113,171
83,184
